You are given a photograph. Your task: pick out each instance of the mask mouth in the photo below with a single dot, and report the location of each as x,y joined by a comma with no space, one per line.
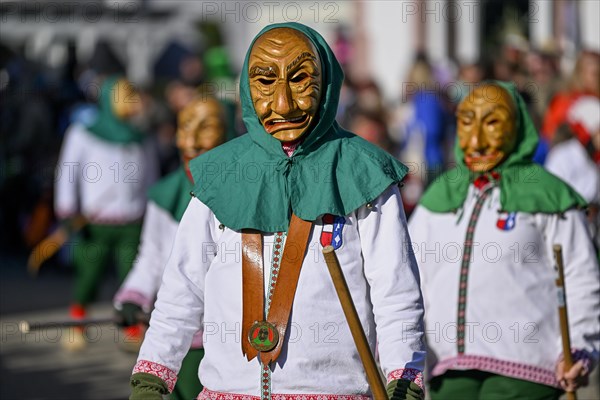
138,121
278,124
190,155
479,161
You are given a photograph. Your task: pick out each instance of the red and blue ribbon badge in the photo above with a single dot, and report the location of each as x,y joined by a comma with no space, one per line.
506,221
331,234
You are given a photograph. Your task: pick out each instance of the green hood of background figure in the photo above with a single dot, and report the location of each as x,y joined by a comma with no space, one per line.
172,193
249,182
524,185
107,125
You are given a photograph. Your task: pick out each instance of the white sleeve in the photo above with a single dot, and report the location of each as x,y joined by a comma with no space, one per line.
156,241
418,227
582,278
179,308
556,162
570,163
393,276
67,174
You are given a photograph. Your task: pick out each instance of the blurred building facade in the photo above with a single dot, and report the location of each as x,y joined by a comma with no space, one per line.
386,34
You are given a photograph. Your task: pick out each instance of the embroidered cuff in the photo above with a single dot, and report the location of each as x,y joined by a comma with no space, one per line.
65,214
133,296
166,374
410,374
580,355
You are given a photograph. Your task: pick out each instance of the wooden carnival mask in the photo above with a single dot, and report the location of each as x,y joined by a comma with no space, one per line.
486,126
200,127
125,99
285,82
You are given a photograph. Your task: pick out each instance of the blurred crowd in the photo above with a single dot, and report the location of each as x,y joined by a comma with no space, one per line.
39,102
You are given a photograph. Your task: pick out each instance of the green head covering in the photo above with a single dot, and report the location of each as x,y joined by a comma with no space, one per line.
216,61
107,125
249,182
172,193
524,185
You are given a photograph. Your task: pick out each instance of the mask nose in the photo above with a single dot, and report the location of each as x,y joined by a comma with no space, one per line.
477,141
185,141
283,104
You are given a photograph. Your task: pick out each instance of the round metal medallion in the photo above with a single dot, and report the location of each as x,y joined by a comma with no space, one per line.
263,336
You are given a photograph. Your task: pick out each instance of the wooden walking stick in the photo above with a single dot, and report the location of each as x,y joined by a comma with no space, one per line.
30,326
562,313
360,339
51,244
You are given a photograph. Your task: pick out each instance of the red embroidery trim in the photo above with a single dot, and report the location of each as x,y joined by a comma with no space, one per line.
289,148
210,395
164,373
507,368
135,297
118,220
410,374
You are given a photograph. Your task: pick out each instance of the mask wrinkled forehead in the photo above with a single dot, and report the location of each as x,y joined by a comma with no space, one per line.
277,39
489,94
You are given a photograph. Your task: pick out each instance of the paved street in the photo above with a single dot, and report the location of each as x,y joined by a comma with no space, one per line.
34,365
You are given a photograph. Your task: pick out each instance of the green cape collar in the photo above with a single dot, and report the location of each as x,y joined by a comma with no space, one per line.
249,182
524,185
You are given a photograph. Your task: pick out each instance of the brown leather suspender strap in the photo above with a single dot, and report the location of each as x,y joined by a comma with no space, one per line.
252,284
285,287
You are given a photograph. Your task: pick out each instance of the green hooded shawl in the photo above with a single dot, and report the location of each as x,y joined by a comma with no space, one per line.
250,182
107,125
172,193
524,185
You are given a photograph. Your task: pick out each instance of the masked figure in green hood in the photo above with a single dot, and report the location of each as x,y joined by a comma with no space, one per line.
483,236
201,127
103,174
247,256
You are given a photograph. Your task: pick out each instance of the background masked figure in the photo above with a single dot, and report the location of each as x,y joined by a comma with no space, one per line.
201,128
575,157
103,174
483,236
266,204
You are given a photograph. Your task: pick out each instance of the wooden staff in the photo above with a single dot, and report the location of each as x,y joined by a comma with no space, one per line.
360,339
562,314
50,245
28,326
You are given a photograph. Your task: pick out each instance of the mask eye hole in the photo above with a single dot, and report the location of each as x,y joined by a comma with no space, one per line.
299,78
266,81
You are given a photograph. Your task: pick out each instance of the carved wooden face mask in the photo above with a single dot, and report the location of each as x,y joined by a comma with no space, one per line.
486,127
126,101
285,82
201,127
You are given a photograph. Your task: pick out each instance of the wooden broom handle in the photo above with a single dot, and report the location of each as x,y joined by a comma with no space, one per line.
360,339
562,314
